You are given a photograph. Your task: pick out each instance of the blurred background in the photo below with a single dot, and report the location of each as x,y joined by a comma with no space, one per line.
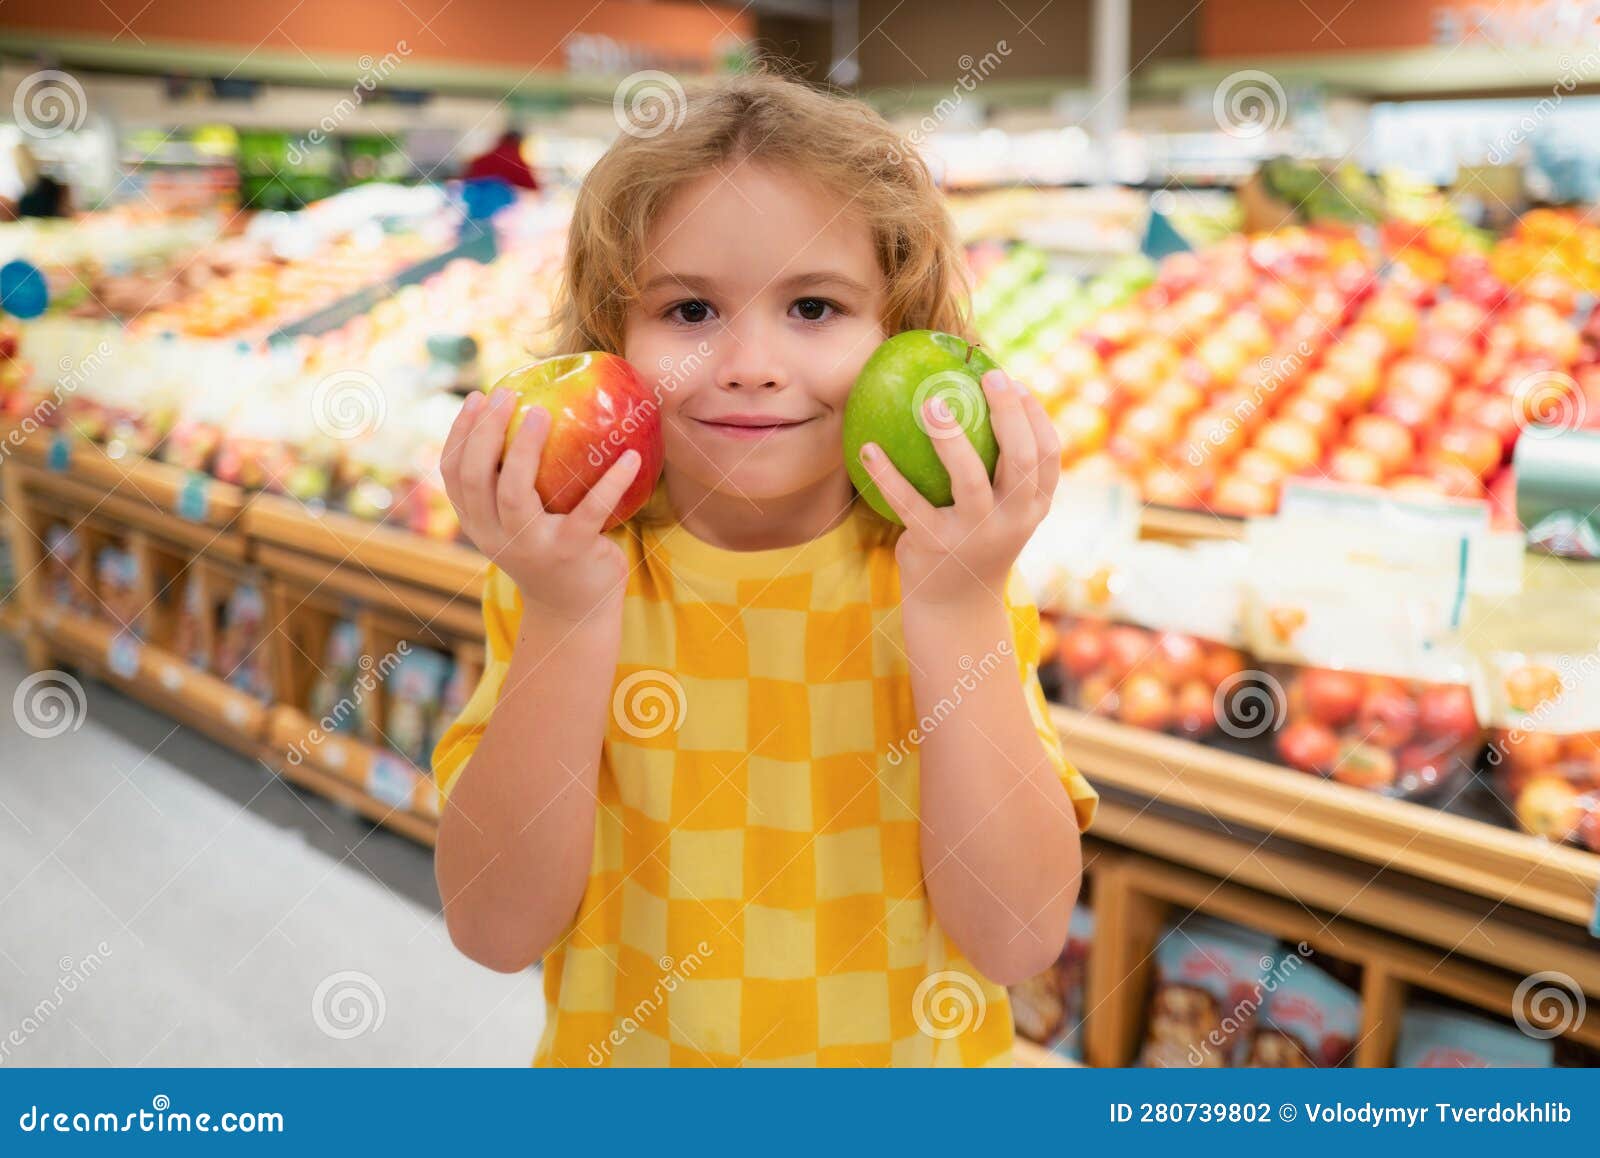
1307,286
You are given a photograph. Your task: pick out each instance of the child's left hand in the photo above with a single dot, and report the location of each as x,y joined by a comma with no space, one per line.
965,551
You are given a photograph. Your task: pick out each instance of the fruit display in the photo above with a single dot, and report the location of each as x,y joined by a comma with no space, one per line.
1292,358
1541,686
1025,309
1560,245
1373,693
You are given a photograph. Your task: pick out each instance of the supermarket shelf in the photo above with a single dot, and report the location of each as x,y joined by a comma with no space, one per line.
389,790
382,551
1505,867
157,678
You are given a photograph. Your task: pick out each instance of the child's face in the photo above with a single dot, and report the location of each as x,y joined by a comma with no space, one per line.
760,299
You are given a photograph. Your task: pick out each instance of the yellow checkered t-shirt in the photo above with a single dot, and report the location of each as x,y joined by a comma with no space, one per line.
756,895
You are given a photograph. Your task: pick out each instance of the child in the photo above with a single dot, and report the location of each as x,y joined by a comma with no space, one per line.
760,777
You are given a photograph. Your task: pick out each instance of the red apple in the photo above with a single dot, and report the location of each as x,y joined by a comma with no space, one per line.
1082,649
599,407
1146,703
1365,765
1294,442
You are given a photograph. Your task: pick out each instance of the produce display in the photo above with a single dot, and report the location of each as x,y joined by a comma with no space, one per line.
1541,687
1559,245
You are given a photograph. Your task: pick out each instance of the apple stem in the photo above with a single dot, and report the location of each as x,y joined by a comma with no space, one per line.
972,348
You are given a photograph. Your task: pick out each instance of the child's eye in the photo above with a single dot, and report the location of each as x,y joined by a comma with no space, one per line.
691,312
815,309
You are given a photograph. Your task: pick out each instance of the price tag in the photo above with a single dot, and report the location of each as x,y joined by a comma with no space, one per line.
194,497
60,456
122,655
1594,921
171,678
236,713
334,756
391,780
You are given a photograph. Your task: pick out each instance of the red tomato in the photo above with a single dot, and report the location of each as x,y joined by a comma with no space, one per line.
1195,710
1146,703
1384,438
1308,746
1365,765
1082,649
1332,697
1352,464
1445,711
1473,447
1388,715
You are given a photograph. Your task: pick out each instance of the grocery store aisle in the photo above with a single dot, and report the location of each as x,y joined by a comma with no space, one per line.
166,902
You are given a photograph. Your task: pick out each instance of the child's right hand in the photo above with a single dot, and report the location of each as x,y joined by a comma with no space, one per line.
562,564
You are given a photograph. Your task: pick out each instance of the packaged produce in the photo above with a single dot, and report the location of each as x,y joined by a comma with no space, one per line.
333,697
242,656
1209,977
1358,625
63,581
1307,1018
118,587
416,690
1049,1008
192,631
1540,684
1436,1037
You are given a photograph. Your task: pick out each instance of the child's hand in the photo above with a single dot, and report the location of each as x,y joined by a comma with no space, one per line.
561,563
956,553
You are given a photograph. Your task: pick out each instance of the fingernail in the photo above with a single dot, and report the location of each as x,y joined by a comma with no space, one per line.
869,453
473,403
502,398
629,456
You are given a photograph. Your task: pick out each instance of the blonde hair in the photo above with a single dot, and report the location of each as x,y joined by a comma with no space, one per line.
766,117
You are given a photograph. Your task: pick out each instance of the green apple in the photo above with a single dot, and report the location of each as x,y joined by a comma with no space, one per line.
886,407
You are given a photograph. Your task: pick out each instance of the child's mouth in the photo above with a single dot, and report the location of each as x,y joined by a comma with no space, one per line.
750,426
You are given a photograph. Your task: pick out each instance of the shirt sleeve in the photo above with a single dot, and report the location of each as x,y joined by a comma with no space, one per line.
1025,636
502,614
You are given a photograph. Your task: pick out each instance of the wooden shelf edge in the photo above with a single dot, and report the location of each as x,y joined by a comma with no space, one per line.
421,829
1158,522
1505,866
449,567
